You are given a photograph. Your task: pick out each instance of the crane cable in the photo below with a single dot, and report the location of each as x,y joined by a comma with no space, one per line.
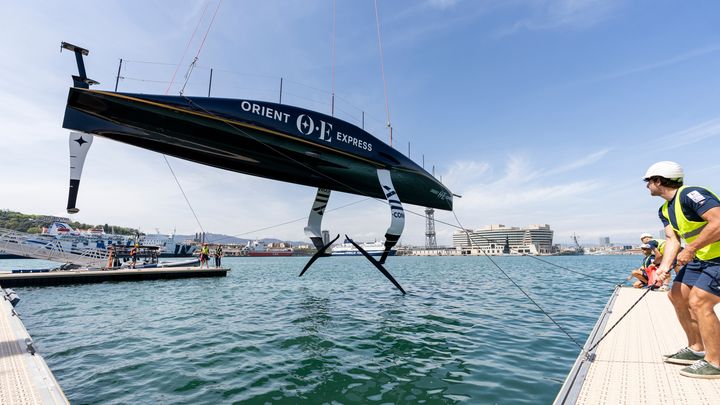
382,71
187,77
332,84
187,47
197,55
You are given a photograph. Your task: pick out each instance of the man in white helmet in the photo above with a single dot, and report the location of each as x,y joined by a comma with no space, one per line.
656,245
693,214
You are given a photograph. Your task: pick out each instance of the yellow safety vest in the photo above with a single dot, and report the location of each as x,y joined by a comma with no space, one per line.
661,245
689,230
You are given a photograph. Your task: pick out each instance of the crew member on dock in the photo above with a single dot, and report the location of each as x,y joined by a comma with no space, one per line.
204,256
657,246
218,255
133,256
111,256
693,214
643,278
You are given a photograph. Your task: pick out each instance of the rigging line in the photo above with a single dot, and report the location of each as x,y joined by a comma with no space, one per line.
520,288
618,321
142,80
197,55
382,70
574,271
202,16
332,86
183,193
186,48
310,168
352,188
295,220
147,62
272,148
588,276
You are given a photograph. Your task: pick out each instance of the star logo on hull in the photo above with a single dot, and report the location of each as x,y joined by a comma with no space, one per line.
81,141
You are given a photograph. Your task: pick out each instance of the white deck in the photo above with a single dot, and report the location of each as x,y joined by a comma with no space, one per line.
24,378
628,367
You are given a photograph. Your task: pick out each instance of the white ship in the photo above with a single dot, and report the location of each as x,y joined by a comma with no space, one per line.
373,248
260,249
75,240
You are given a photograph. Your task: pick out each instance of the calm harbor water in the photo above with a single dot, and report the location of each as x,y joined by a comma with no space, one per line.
339,334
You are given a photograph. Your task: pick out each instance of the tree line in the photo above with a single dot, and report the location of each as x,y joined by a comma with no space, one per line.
18,221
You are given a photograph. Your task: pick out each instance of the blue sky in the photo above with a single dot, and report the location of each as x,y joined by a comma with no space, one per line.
543,111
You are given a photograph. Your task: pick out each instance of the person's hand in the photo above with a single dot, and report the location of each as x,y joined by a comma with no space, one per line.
686,256
660,276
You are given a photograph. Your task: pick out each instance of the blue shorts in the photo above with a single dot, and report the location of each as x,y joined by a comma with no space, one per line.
709,279
702,274
689,273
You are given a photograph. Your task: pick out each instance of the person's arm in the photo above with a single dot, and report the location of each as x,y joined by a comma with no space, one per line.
672,246
709,234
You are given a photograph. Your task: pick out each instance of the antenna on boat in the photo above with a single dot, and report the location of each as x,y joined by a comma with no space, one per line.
81,80
382,71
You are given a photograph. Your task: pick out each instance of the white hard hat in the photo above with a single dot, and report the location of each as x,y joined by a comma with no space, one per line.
645,235
666,169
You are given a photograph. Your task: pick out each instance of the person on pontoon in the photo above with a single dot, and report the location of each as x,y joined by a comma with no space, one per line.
641,273
204,256
218,255
133,256
691,214
658,249
657,245
111,256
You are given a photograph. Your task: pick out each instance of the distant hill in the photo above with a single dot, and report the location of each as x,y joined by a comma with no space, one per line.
32,223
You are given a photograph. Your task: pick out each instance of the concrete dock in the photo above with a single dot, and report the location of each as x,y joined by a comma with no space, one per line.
99,276
628,367
24,376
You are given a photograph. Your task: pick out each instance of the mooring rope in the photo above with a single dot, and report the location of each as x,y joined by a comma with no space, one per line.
618,321
575,271
518,287
459,226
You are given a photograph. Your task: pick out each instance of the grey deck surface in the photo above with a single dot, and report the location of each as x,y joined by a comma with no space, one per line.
628,368
24,378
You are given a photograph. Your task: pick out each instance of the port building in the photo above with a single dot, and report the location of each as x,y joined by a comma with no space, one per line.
501,239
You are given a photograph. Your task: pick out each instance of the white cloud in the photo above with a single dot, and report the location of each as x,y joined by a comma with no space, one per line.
689,136
680,58
576,164
555,14
521,193
442,4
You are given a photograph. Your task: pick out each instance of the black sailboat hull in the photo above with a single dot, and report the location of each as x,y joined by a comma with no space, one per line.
262,139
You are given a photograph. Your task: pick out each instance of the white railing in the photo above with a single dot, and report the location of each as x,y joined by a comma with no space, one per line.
29,245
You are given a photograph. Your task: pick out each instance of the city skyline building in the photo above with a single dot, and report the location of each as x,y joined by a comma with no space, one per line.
492,239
